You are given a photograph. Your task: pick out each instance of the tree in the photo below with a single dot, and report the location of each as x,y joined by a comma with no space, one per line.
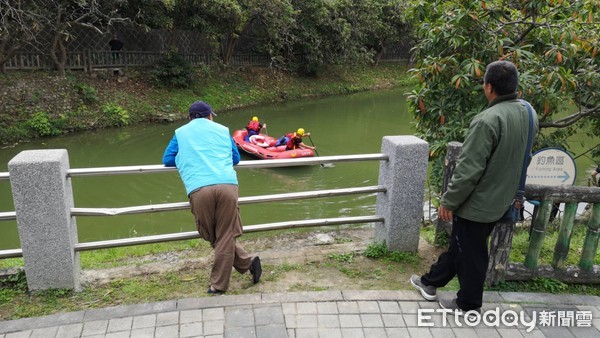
60,16
19,26
376,23
155,14
554,44
222,21
271,28
328,33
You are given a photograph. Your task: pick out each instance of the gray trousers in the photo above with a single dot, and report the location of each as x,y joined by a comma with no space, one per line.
218,221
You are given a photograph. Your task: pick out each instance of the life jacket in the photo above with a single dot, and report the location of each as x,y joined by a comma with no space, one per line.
253,125
294,141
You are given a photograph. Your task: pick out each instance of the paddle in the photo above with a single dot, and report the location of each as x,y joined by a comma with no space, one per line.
316,152
313,144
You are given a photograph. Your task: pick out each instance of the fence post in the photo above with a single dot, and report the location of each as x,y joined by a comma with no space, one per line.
561,249
402,205
43,200
590,245
538,232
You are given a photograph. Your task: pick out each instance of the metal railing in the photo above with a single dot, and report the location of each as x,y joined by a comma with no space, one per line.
146,169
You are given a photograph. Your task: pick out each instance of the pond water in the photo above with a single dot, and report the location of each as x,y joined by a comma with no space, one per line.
352,124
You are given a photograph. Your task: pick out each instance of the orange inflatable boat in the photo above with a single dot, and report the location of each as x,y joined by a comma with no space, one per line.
263,147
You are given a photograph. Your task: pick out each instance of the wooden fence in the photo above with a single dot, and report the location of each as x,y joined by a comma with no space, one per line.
499,267
88,60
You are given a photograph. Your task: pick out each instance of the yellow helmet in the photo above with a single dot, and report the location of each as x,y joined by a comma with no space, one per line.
300,131
255,119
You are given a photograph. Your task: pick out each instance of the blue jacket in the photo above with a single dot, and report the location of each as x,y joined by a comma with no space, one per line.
204,153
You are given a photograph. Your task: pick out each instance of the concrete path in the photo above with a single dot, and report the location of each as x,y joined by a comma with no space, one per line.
327,314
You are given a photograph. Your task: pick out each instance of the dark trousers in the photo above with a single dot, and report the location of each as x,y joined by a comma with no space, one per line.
466,257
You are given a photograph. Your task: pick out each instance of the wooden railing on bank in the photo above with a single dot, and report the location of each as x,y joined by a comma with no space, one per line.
89,60
499,267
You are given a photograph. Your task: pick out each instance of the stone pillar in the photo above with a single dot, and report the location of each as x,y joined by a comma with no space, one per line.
43,200
402,205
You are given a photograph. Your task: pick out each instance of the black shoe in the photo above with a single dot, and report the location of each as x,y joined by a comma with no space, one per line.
428,292
256,269
215,291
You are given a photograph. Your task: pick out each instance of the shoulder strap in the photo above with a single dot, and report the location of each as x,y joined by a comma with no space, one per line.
527,155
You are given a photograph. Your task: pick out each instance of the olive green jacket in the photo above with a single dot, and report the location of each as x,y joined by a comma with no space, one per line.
488,169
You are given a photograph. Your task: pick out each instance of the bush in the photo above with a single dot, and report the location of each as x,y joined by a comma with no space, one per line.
40,124
115,115
12,133
376,250
173,71
88,94
380,251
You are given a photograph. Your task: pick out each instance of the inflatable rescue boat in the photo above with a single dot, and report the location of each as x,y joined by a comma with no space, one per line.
263,147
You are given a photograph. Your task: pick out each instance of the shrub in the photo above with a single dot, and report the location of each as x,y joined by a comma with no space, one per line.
88,94
376,250
380,251
173,71
115,115
40,124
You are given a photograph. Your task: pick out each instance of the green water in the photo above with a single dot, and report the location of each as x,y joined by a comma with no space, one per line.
353,124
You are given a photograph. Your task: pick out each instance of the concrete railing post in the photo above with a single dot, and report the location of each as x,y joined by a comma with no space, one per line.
43,200
402,205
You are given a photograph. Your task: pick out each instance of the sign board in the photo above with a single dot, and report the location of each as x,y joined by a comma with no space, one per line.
551,166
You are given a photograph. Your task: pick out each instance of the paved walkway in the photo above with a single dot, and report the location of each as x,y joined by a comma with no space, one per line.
324,314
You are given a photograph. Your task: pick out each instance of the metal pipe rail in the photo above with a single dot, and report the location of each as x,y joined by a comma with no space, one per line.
158,168
7,216
251,228
13,253
179,236
242,200
252,164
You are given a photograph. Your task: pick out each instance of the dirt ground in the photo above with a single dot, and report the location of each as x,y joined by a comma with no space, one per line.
310,261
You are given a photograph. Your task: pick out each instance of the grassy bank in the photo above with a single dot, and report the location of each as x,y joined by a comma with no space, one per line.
40,104
292,261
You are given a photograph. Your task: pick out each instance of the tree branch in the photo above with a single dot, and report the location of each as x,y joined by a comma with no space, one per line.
571,119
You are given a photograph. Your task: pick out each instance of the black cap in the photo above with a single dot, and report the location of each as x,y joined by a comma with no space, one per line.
200,109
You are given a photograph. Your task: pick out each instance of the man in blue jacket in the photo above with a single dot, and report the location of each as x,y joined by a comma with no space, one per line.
204,154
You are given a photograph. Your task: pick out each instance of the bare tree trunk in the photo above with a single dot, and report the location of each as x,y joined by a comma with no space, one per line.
63,58
379,54
499,252
53,48
58,54
231,40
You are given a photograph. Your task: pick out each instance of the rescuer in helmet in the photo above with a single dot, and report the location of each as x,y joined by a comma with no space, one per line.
294,140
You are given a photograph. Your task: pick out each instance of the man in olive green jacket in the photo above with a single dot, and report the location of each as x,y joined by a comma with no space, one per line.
482,188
